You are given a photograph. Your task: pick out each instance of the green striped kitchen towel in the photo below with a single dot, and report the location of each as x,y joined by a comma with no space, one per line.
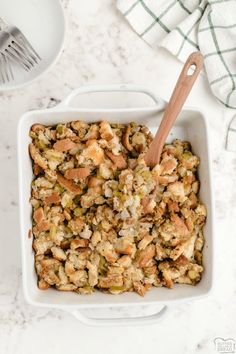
184,26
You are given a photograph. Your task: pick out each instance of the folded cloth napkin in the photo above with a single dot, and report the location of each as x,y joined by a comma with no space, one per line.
184,26
231,136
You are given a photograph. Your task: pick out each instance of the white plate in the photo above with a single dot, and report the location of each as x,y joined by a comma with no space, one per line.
43,24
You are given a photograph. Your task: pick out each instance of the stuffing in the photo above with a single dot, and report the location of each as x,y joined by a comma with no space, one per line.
103,220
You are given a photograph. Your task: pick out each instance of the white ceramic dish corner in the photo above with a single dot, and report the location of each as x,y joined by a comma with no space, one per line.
191,125
44,25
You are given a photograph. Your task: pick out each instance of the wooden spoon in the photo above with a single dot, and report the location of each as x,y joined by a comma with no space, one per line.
178,98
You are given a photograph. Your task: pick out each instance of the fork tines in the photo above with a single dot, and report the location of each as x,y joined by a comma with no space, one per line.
28,47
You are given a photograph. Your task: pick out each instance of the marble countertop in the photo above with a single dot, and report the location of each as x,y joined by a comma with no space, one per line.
100,48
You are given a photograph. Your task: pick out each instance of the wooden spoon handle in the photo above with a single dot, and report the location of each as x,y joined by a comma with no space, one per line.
179,96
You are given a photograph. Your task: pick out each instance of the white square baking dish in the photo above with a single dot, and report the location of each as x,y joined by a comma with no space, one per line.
190,125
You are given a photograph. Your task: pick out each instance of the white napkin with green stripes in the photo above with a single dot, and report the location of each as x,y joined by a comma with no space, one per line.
184,26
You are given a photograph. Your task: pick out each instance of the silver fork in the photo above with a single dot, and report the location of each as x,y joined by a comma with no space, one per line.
12,50
21,39
6,73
